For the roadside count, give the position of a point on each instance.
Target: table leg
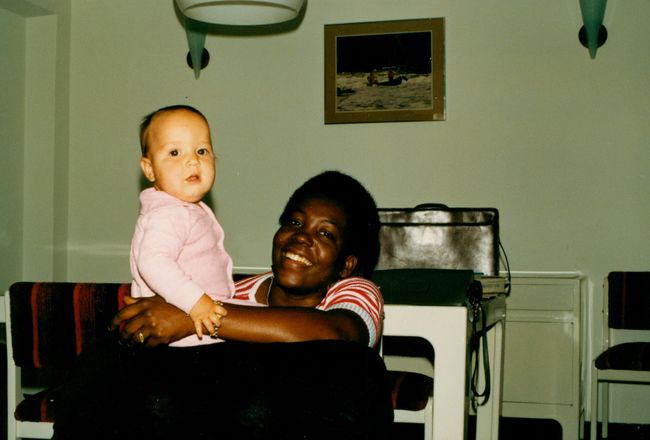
(487, 416)
(449, 340)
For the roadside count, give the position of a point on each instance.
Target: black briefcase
(439, 237)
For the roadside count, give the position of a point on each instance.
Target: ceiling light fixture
(198, 13)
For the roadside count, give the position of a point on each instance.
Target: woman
(328, 383)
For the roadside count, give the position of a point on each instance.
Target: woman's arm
(283, 324)
(162, 323)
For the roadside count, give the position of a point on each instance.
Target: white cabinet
(542, 352)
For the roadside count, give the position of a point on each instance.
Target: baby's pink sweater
(177, 252)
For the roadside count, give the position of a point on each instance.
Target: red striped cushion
(51, 323)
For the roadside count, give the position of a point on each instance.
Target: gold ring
(141, 337)
(216, 302)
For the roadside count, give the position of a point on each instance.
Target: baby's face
(179, 158)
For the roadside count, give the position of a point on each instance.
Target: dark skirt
(307, 390)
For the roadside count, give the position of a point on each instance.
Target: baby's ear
(147, 169)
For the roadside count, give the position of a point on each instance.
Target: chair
(410, 365)
(411, 381)
(626, 310)
(48, 324)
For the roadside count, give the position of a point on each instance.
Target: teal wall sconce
(592, 34)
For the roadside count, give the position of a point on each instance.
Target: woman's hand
(152, 321)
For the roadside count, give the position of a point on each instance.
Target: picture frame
(385, 71)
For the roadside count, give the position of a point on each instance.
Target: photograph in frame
(385, 71)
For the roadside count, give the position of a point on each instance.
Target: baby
(177, 248)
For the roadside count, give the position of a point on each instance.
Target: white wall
(12, 122)
(40, 146)
(35, 139)
(557, 141)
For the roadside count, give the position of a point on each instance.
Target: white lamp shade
(240, 12)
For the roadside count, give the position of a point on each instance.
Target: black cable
(507, 267)
(482, 335)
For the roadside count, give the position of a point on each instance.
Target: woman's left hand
(152, 321)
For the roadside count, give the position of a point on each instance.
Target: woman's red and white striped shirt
(355, 294)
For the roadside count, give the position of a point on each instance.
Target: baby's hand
(207, 314)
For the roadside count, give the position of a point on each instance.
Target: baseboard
(511, 428)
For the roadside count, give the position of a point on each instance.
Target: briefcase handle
(431, 206)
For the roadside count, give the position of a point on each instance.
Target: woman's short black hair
(362, 235)
(146, 122)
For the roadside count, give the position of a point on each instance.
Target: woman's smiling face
(307, 249)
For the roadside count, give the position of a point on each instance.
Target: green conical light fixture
(196, 32)
(593, 13)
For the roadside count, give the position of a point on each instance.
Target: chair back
(626, 304)
(51, 323)
(628, 300)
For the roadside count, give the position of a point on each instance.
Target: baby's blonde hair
(146, 122)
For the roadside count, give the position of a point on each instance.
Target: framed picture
(385, 71)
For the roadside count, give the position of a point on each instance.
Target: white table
(448, 329)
